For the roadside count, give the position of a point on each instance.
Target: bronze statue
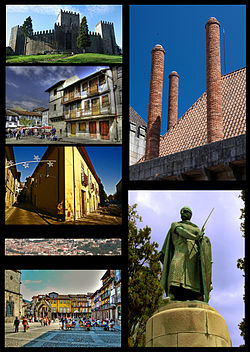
(186, 258)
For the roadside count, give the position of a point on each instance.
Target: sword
(203, 228)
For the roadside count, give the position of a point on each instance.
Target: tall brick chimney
(155, 103)
(214, 91)
(173, 99)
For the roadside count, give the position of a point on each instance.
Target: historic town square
(70, 317)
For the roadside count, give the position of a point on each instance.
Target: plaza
(54, 336)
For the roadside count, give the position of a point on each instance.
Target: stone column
(155, 103)
(173, 99)
(214, 90)
(187, 324)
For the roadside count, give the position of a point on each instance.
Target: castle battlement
(63, 37)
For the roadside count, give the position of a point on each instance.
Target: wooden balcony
(68, 98)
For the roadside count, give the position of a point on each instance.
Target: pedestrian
(25, 324)
(49, 321)
(60, 212)
(16, 323)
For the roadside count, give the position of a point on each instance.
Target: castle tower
(17, 41)
(107, 33)
(66, 30)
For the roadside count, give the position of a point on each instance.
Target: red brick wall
(214, 93)
(155, 103)
(173, 99)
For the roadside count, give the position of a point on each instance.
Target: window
(84, 86)
(47, 174)
(102, 80)
(82, 126)
(105, 100)
(87, 105)
(55, 92)
(10, 309)
(54, 107)
(119, 72)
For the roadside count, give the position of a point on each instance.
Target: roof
(190, 131)
(25, 113)
(136, 118)
(55, 85)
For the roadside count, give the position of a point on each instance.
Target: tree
(144, 288)
(25, 122)
(83, 39)
(241, 262)
(26, 28)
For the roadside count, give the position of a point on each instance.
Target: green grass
(63, 58)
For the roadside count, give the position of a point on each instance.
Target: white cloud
(32, 281)
(99, 9)
(154, 200)
(12, 84)
(41, 9)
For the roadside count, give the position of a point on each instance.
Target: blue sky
(44, 16)
(107, 162)
(26, 85)
(160, 208)
(61, 281)
(181, 31)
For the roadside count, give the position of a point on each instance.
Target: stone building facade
(63, 37)
(88, 108)
(13, 297)
(12, 178)
(137, 136)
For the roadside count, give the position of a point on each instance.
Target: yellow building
(12, 178)
(64, 175)
(55, 306)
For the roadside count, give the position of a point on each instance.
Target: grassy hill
(65, 59)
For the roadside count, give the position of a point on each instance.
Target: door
(73, 129)
(96, 106)
(104, 129)
(83, 203)
(92, 129)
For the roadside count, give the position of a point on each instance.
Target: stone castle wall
(64, 37)
(12, 295)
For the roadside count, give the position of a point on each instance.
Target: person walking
(25, 324)
(60, 212)
(16, 323)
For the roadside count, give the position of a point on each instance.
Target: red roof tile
(190, 131)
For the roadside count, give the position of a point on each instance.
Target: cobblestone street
(24, 214)
(53, 336)
(68, 140)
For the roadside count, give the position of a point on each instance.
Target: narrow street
(53, 336)
(24, 214)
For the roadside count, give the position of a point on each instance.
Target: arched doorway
(42, 309)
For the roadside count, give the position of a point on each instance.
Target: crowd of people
(42, 134)
(68, 323)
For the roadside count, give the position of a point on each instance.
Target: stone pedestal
(187, 324)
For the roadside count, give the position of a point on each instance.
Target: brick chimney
(173, 99)
(155, 103)
(214, 91)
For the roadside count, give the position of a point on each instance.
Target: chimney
(173, 99)
(214, 91)
(155, 103)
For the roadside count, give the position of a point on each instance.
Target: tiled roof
(190, 131)
(26, 113)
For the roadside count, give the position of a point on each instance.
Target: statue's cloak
(169, 249)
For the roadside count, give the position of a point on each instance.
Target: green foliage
(89, 58)
(26, 28)
(83, 40)
(25, 122)
(241, 262)
(144, 270)
(102, 193)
